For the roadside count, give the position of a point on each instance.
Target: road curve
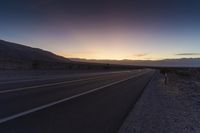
(94, 104)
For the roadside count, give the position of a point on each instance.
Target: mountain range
(13, 55)
(17, 52)
(183, 62)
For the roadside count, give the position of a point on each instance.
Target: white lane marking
(91, 74)
(64, 100)
(45, 85)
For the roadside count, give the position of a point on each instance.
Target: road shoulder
(168, 108)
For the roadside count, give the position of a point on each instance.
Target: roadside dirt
(171, 108)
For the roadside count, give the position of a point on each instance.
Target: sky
(105, 29)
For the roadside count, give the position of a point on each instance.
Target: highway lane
(17, 75)
(18, 101)
(41, 76)
(13, 102)
(119, 90)
(15, 84)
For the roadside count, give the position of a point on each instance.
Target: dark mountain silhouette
(17, 56)
(17, 52)
(183, 62)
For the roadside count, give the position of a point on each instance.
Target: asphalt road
(93, 103)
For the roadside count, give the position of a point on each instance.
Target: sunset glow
(114, 33)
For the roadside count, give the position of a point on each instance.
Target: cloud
(141, 55)
(187, 54)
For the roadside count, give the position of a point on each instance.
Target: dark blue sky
(77, 28)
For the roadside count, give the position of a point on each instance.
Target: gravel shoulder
(171, 108)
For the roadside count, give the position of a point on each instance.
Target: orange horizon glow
(120, 44)
(112, 43)
(91, 30)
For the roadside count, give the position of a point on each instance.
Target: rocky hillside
(18, 52)
(15, 56)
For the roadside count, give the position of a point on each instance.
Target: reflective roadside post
(164, 72)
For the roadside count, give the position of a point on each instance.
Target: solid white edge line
(44, 85)
(63, 100)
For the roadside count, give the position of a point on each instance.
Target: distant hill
(18, 52)
(183, 62)
(17, 56)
